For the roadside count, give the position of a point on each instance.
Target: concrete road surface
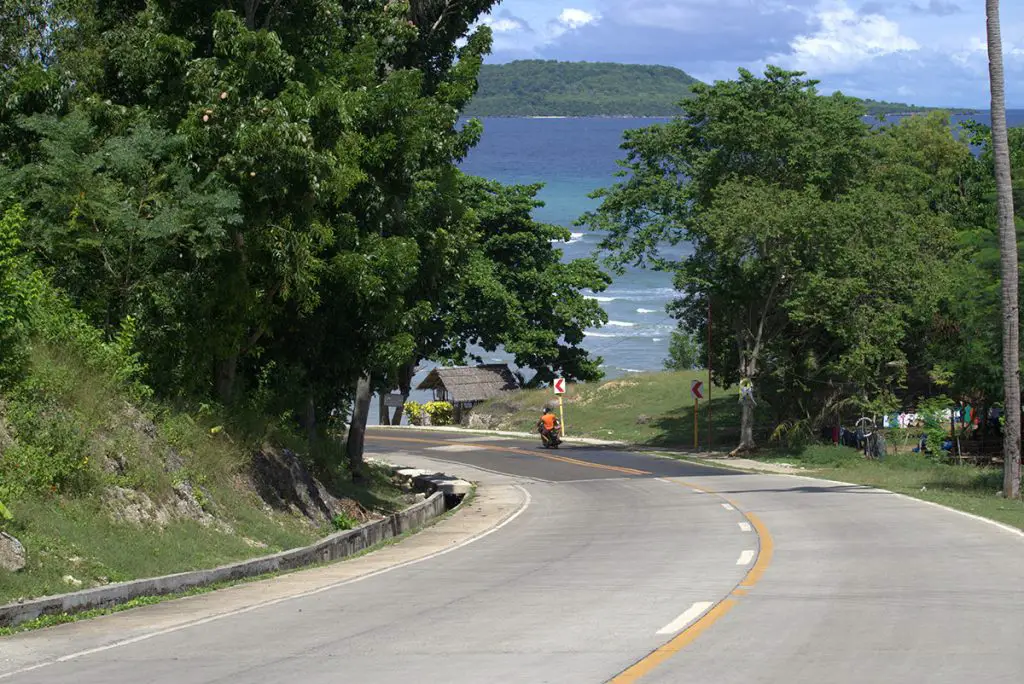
(591, 565)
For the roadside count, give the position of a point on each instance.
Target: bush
(5, 516)
(431, 413)
(415, 412)
(344, 521)
(16, 294)
(440, 412)
(685, 352)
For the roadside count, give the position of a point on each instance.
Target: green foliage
(16, 294)
(5, 515)
(825, 248)
(440, 412)
(343, 521)
(414, 411)
(436, 412)
(516, 292)
(685, 352)
(550, 88)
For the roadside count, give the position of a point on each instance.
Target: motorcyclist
(548, 424)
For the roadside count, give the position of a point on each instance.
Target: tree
(685, 352)
(739, 147)
(823, 245)
(1008, 258)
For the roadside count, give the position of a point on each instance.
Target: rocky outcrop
(284, 483)
(130, 506)
(12, 553)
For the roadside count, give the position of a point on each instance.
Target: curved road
(594, 565)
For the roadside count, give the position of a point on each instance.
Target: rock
(139, 422)
(643, 420)
(72, 582)
(173, 461)
(115, 465)
(481, 421)
(283, 481)
(253, 543)
(127, 506)
(12, 553)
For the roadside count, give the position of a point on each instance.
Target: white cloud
(568, 21)
(845, 40)
(504, 25)
(575, 18)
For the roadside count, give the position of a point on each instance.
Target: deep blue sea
(574, 157)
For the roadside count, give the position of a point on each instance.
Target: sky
(922, 52)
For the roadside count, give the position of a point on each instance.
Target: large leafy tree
(810, 239)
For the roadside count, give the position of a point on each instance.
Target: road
(601, 566)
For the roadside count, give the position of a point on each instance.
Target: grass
(67, 415)
(650, 409)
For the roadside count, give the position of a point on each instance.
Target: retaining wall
(334, 547)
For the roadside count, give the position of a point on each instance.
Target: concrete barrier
(334, 547)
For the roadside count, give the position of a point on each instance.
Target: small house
(466, 386)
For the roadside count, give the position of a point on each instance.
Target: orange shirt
(549, 421)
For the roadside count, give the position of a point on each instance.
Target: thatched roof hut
(468, 385)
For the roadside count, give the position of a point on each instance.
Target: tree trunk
(357, 428)
(405, 374)
(746, 427)
(383, 412)
(309, 419)
(1008, 257)
(226, 370)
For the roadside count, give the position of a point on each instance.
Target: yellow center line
(513, 450)
(765, 551)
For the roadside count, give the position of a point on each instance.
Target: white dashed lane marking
(684, 620)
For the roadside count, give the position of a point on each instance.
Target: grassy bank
(655, 411)
(651, 409)
(107, 484)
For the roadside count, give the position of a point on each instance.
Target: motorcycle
(550, 438)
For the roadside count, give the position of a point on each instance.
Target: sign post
(559, 386)
(696, 392)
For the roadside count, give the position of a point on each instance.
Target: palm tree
(1008, 257)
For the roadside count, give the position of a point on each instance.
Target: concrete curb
(496, 433)
(335, 547)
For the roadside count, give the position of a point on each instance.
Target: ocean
(574, 157)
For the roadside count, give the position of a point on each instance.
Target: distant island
(581, 89)
(547, 88)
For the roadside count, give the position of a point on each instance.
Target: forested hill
(550, 88)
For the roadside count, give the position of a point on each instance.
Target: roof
(471, 383)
